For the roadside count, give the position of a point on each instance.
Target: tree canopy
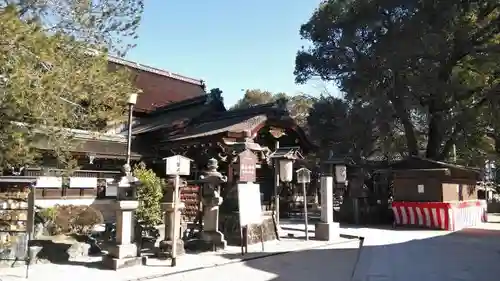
(50, 82)
(432, 66)
(298, 105)
(110, 24)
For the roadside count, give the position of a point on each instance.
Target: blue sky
(231, 44)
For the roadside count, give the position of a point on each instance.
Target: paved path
(388, 255)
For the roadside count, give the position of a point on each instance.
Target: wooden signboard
(247, 167)
(177, 165)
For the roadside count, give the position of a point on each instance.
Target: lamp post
(304, 177)
(283, 159)
(132, 100)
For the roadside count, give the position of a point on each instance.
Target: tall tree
(50, 83)
(352, 130)
(434, 63)
(254, 97)
(105, 23)
(298, 105)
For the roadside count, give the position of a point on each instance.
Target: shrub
(150, 194)
(48, 214)
(86, 219)
(72, 219)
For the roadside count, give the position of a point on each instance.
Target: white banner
(82, 182)
(49, 182)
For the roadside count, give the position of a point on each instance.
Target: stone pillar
(124, 252)
(326, 230)
(172, 232)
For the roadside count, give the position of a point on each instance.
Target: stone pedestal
(211, 234)
(326, 230)
(124, 253)
(172, 232)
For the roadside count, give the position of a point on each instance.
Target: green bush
(150, 194)
(48, 214)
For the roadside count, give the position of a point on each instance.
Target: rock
(165, 248)
(39, 230)
(33, 253)
(78, 249)
(98, 229)
(94, 249)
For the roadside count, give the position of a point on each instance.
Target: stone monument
(211, 201)
(124, 252)
(172, 232)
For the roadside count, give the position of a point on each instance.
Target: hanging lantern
(286, 170)
(340, 173)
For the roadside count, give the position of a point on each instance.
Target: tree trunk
(404, 117)
(435, 137)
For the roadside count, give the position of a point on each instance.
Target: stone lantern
(211, 200)
(124, 252)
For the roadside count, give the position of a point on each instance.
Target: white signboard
(49, 182)
(83, 182)
(177, 165)
(111, 188)
(421, 188)
(250, 207)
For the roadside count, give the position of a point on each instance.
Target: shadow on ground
(57, 253)
(468, 255)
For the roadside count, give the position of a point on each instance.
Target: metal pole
(174, 223)
(129, 133)
(306, 223)
(277, 188)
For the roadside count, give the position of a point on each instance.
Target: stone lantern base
(214, 239)
(124, 253)
(111, 261)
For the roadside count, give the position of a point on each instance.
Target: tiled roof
(160, 87)
(178, 114)
(206, 116)
(239, 120)
(415, 163)
(179, 117)
(100, 148)
(235, 124)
